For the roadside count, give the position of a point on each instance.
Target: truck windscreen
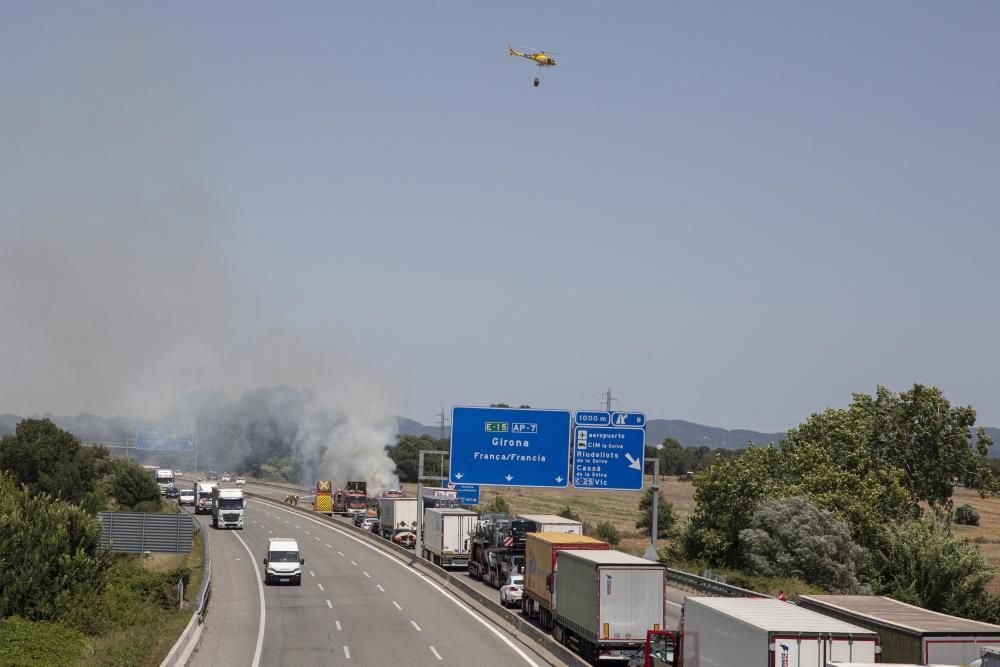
(230, 504)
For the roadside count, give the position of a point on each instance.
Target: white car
(227, 478)
(178, 473)
(187, 497)
(510, 592)
(240, 481)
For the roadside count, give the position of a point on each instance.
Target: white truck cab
(283, 563)
(227, 508)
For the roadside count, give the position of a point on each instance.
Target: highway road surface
(356, 605)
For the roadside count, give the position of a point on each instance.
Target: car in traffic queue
(512, 590)
(172, 492)
(284, 562)
(405, 538)
(186, 497)
(240, 481)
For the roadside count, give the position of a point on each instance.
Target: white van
(283, 563)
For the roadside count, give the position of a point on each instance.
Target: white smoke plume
(119, 291)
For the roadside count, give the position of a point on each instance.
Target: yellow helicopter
(540, 58)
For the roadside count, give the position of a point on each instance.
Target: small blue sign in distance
(510, 447)
(159, 438)
(467, 494)
(631, 419)
(592, 418)
(607, 457)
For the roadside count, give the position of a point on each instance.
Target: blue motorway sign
(161, 439)
(633, 419)
(468, 494)
(510, 447)
(610, 457)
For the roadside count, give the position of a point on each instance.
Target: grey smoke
(119, 293)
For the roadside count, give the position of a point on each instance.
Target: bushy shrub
(791, 537)
(607, 532)
(132, 484)
(496, 505)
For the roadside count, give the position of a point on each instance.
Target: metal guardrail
(201, 599)
(185, 644)
(692, 582)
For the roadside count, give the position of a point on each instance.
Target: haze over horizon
(732, 215)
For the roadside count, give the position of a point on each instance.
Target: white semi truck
(396, 514)
(446, 535)
(164, 479)
(765, 631)
(227, 508)
(608, 600)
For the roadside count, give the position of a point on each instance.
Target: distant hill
(120, 429)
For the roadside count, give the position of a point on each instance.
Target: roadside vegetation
(64, 600)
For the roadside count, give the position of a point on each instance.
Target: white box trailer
(551, 523)
(607, 602)
(203, 497)
(446, 535)
(764, 631)
(396, 514)
(908, 633)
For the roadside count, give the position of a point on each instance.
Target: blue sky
(732, 213)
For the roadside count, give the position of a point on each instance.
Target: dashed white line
(397, 605)
(380, 587)
(340, 553)
(311, 573)
(436, 654)
(329, 604)
(260, 594)
(414, 624)
(271, 532)
(288, 522)
(366, 574)
(353, 563)
(427, 580)
(347, 653)
(338, 624)
(298, 526)
(320, 587)
(308, 533)
(328, 546)
(317, 538)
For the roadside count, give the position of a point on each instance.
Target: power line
(608, 399)
(442, 421)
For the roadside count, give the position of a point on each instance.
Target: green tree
(666, 519)
(496, 505)
(50, 460)
(406, 454)
(571, 514)
(923, 564)
(51, 560)
(132, 484)
(791, 537)
(726, 495)
(607, 532)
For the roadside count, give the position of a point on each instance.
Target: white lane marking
(414, 624)
(311, 573)
(308, 533)
(237, 559)
(317, 538)
(354, 564)
(338, 624)
(674, 603)
(340, 553)
(427, 580)
(298, 526)
(366, 574)
(320, 587)
(260, 594)
(329, 604)
(397, 605)
(380, 587)
(436, 654)
(328, 546)
(347, 653)
(271, 532)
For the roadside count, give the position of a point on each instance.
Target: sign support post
(654, 527)
(421, 478)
